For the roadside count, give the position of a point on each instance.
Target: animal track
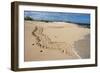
(43, 41)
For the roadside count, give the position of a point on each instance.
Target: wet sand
(82, 47)
(55, 41)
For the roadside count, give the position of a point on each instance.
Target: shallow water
(82, 47)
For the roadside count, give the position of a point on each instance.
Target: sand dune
(54, 41)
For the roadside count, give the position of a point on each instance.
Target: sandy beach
(55, 41)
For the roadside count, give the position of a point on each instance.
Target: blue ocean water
(59, 16)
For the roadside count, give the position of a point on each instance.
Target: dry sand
(55, 41)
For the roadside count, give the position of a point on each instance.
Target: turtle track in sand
(43, 41)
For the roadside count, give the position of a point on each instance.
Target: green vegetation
(28, 18)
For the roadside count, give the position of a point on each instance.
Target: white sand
(55, 39)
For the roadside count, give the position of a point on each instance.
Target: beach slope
(55, 41)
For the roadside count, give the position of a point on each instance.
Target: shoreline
(82, 46)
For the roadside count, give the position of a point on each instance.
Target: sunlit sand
(55, 41)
